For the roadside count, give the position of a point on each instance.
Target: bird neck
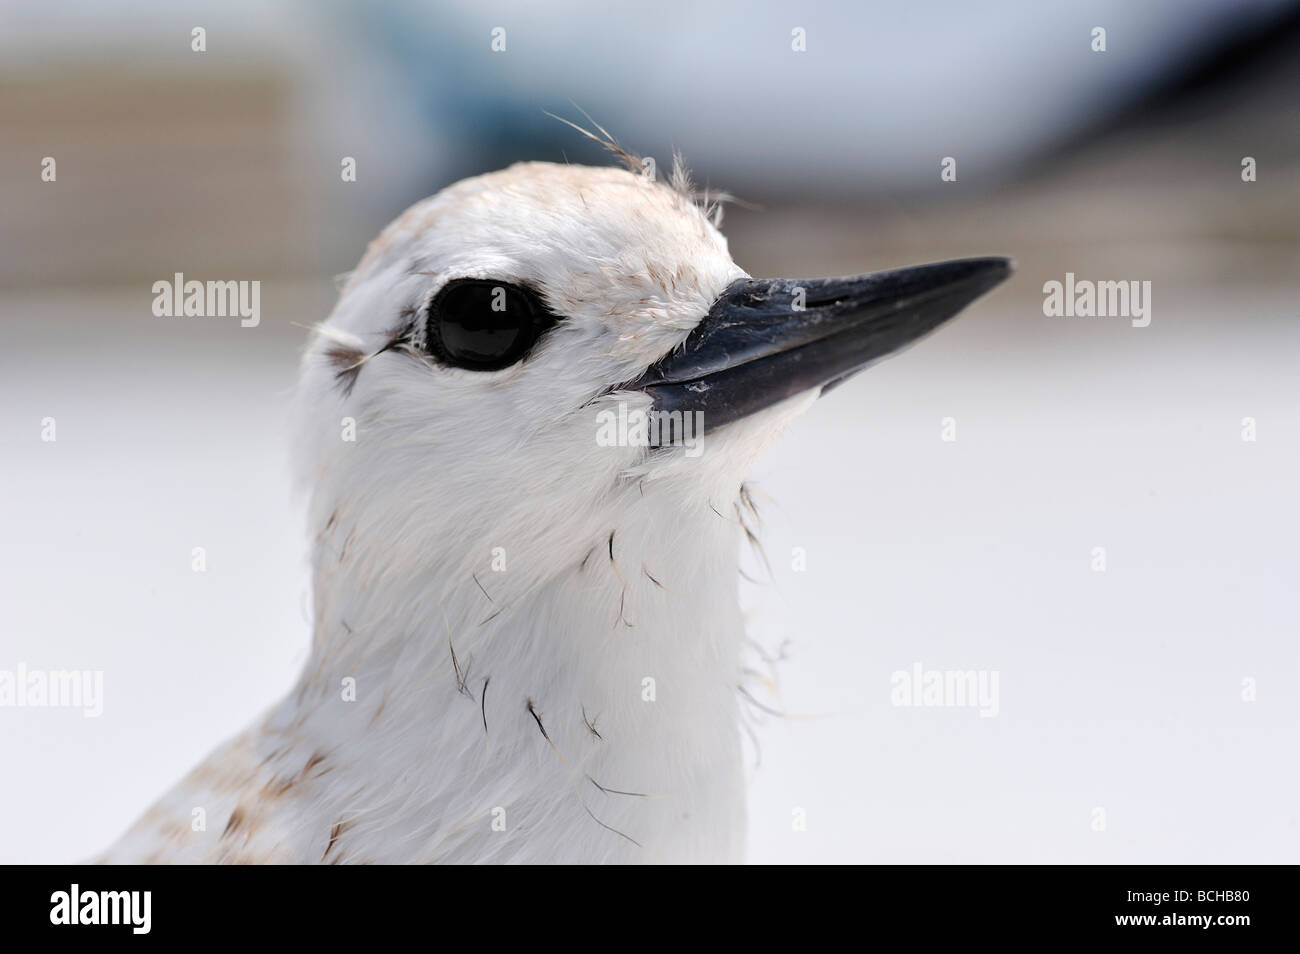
(590, 699)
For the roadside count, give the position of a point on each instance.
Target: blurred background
(1120, 690)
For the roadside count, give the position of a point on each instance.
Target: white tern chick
(527, 644)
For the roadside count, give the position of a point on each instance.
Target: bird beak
(768, 339)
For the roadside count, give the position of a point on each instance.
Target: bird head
(520, 356)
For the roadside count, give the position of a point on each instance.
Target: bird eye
(484, 325)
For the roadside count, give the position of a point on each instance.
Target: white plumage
(620, 565)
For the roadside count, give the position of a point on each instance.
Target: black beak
(768, 339)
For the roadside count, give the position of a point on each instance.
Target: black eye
(484, 325)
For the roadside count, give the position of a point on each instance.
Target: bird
(527, 645)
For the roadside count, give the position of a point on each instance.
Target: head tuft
(710, 203)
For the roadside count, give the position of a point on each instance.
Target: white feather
(450, 464)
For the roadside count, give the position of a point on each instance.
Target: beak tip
(990, 272)
(1000, 265)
